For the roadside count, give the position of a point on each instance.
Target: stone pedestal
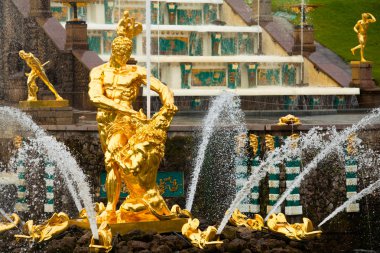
(49, 112)
(308, 40)
(76, 35)
(362, 75)
(262, 13)
(40, 8)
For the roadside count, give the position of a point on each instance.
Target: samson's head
(121, 50)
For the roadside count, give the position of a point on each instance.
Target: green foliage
(333, 23)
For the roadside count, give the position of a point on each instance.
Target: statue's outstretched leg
(50, 86)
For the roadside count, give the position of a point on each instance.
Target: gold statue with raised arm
(361, 28)
(133, 145)
(37, 71)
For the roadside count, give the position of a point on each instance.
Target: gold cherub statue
(57, 224)
(133, 145)
(361, 28)
(37, 71)
(198, 238)
(297, 231)
(238, 219)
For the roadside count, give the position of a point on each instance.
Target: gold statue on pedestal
(361, 28)
(37, 71)
(133, 145)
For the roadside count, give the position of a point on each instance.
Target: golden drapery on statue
(133, 145)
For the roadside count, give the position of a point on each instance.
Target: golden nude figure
(132, 144)
(361, 28)
(37, 71)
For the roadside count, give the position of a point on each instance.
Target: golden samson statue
(361, 28)
(133, 145)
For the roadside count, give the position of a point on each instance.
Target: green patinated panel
(245, 43)
(339, 102)
(228, 46)
(171, 184)
(252, 69)
(108, 11)
(195, 44)
(174, 46)
(314, 101)
(233, 75)
(269, 76)
(288, 74)
(208, 77)
(185, 74)
(94, 43)
(290, 101)
(189, 17)
(210, 13)
(157, 13)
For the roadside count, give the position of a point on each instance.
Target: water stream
(57, 153)
(224, 110)
(352, 199)
(337, 141)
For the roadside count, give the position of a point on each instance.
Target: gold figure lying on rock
(37, 71)
(238, 219)
(6, 225)
(198, 238)
(288, 120)
(133, 145)
(297, 231)
(56, 225)
(361, 28)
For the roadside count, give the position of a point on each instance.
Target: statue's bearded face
(121, 50)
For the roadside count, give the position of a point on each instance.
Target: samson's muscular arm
(96, 93)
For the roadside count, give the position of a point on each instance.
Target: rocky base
(235, 240)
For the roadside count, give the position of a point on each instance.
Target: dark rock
(269, 243)
(66, 244)
(133, 235)
(246, 251)
(85, 239)
(81, 250)
(236, 245)
(229, 232)
(145, 251)
(298, 245)
(245, 234)
(162, 249)
(138, 245)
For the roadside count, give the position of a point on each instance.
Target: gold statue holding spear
(37, 71)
